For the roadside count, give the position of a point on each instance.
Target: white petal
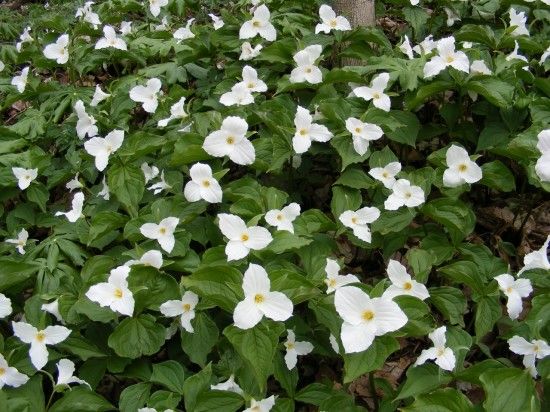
(259, 238)
(24, 331)
(56, 334)
(231, 226)
(235, 250)
(356, 338)
(350, 303)
(447, 360)
(39, 355)
(255, 281)
(276, 306)
(247, 314)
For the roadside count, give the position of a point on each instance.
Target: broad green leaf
(170, 374)
(126, 183)
(135, 337)
(284, 241)
(357, 364)
(498, 385)
(441, 400)
(81, 399)
(194, 385)
(197, 345)
(496, 91)
(488, 311)
(423, 378)
(134, 397)
(497, 176)
(451, 302)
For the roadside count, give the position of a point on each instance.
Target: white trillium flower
(307, 131)
(514, 289)
(20, 82)
(10, 376)
(358, 221)
(478, 67)
(362, 133)
(38, 340)
(335, 281)
(248, 52)
(202, 185)
(460, 169)
(242, 239)
(184, 308)
(110, 39)
(263, 405)
(150, 258)
(24, 176)
(544, 56)
(177, 111)
(406, 47)
(20, 242)
(184, 33)
(386, 174)
(404, 194)
(519, 20)
(231, 141)
(447, 57)
(542, 167)
(160, 186)
(114, 293)
(306, 70)
(329, 21)
(259, 300)
(376, 92)
(452, 17)
(259, 25)
(53, 309)
(88, 15)
(76, 208)
(537, 259)
(229, 385)
(365, 318)
(239, 95)
(125, 27)
(282, 219)
(163, 25)
(516, 56)
(163, 232)
(65, 374)
(147, 95)
(415, 2)
(85, 124)
(102, 147)
(149, 172)
(58, 51)
(74, 183)
(2, 65)
(426, 46)
(155, 5)
(467, 44)
(104, 192)
(25, 37)
(443, 356)
(402, 283)
(217, 22)
(5, 306)
(531, 351)
(293, 349)
(251, 80)
(334, 343)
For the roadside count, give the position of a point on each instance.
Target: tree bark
(359, 13)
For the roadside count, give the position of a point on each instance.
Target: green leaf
(218, 401)
(154, 287)
(496, 91)
(135, 337)
(423, 378)
(314, 393)
(409, 129)
(441, 400)
(497, 176)
(357, 364)
(295, 285)
(194, 385)
(344, 147)
(509, 389)
(393, 221)
(13, 273)
(284, 241)
(104, 222)
(134, 397)
(170, 374)
(81, 347)
(450, 302)
(427, 91)
(126, 183)
(81, 399)
(356, 178)
(343, 199)
(488, 311)
(197, 345)
(287, 378)
(451, 213)
(257, 347)
(28, 397)
(37, 193)
(465, 272)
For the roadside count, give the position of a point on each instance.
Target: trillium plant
(274, 205)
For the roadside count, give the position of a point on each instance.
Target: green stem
(372, 390)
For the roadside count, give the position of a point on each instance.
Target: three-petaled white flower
(329, 21)
(516, 56)
(10, 376)
(74, 183)
(386, 174)
(335, 281)
(58, 51)
(443, 356)
(5, 306)
(155, 5)
(202, 185)
(160, 185)
(404, 194)
(38, 339)
(248, 52)
(425, 46)
(24, 176)
(519, 20)
(460, 169)
(184, 308)
(282, 219)
(402, 283)
(531, 351)
(20, 81)
(230, 140)
(217, 22)
(406, 47)
(88, 15)
(259, 300)
(184, 33)
(251, 81)
(537, 259)
(24, 37)
(114, 293)
(307, 131)
(163, 232)
(447, 56)
(102, 147)
(177, 111)
(544, 56)
(514, 289)
(76, 208)
(376, 92)
(239, 95)
(85, 125)
(365, 318)
(149, 172)
(259, 24)
(542, 167)
(229, 385)
(65, 374)
(263, 405)
(478, 67)
(242, 239)
(306, 70)
(110, 39)
(358, 221)
(104, 192)
(20, 242)
(125, 27)
(53, 309)
(362, 133)
(150, 258)
(293, 349)
(147, 95)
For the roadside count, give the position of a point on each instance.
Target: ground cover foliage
(221, 214)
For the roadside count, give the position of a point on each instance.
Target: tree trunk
(359, 13)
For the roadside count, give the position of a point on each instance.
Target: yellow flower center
(331, 282)
(462, 167)
(385, 175)
(27, 177)
(40, 336)
(280, 217)
(118, 293)
(302, 132)
(354, 220)
(206, 183)
(376, 96)
(408, 195)
(450, 59)
(290, 345)
(308, 70)
(440, 351)
(333, 23)
(509, 290)
(358, 130)
(162, 230)
(244, 237)
(256, 23)
(186, 307)
(109, 148)
(230, 140)
(367, 315)
(251, 85)
(407, 286)
(536, 348)
(259, 298)
(2, 371)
